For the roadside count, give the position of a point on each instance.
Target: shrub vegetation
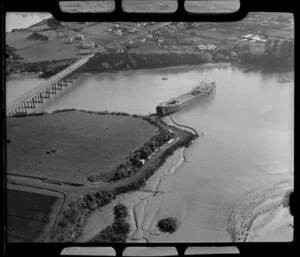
(168, 225)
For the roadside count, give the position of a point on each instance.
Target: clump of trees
(38, 37)
(276, 53)
(53, 23)
(70, 224)
(11, 53)
(12, 60)
(280, 52)
(54, 68)
(168, 225)
(134, 161)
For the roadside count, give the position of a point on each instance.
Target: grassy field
(49, 50)
(19, 40)
(73, 145)
(28, 215)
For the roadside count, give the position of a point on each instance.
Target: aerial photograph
(149, 132)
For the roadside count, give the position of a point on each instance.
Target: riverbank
(218, 185)
(69, 224)
(113, 62)
(263, 216)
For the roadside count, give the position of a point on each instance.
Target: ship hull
(188, 99)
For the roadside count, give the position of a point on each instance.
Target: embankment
(183, 126)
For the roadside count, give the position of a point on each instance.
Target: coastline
(135, 61)
(262, 213)
(245, 218)
(69, 228)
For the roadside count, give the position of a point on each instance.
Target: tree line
(276, 53)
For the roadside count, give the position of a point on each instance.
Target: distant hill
(50, 23)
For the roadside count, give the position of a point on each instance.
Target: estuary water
(245, 146)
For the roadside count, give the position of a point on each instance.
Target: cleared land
(19, 40)
(30, 213)
(70, 146)
(49, 50)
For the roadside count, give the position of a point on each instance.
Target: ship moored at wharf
(200, 91)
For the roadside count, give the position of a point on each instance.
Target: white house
(202, 47)
(211, 47)
(118, 32)
(248, 36)
(160, 41)
(88, 45)
(78, 38)
(257, 38)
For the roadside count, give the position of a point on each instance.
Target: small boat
(164, 78)
(284, 80)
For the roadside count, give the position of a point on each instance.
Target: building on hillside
(253, 38)
(69, 40)
(120, 49)
(118, 32)
(78, 38)
(211, 47)
(132, 30)
(247, 36)
(87, 45)
(233, 55)
(259, 39)
(160, 42)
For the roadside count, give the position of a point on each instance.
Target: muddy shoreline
(70, 222)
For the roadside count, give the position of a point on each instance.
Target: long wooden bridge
(28, 102)
(38, 95)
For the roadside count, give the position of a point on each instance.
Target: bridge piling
(30, 100)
